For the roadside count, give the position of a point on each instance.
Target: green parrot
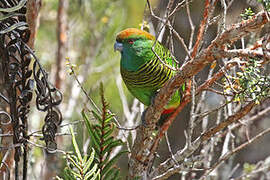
(141, 70)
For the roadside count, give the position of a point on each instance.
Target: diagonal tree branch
(141, 153)
(229, 154)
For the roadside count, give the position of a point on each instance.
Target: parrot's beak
(118, 46)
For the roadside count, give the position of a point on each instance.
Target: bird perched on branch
(145, 66)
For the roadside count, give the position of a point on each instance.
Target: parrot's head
(134, 45)
(128, 37)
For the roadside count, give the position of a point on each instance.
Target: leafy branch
(251, 83)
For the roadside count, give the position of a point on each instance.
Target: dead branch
(229, 154)
(144, 144)
(166, 168)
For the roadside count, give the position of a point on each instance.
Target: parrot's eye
(131, 41)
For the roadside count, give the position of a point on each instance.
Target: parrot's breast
(151, 75)
(144, 83)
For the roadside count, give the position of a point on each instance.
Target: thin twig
(229, 154)
(241, 113)
(169, 147)
(192, 27)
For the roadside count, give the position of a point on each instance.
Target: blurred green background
(92, 26)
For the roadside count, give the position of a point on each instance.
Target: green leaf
(117, 174)
(75, 145)
(104, 161)
(109, 118)
(91, 172)
(96, 135)
(71, 160)
(112, 162)
(108, 133)
(107, 141)
(67, 174)
(89, 162)
(112, 145)
(74, 158)
(98, 131)
(84, 115)
(109, 126)
(112, 174)
(97, 116)
(75, 174)
(98, 127)
(90, 132)
(84, 159)
(96, 176)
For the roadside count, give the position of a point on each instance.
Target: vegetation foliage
(80, 166)
(252, 83)
(104, 141)
(101, 163)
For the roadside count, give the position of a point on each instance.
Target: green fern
(103, 141)
(248, 14)
(78, 166)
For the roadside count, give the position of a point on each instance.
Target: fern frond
(103, 140)
(78, 166)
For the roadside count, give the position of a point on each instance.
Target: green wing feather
(151, 76)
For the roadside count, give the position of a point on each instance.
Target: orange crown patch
(133, 31)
